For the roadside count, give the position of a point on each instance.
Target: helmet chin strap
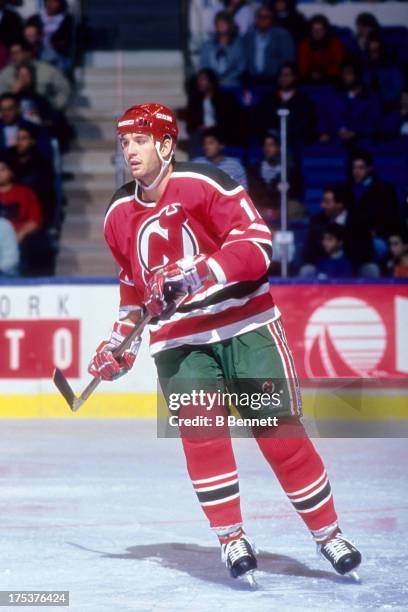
(164, 165)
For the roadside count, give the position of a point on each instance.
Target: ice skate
(342, 554)
(238, 553)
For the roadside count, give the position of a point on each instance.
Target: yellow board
(365, 407)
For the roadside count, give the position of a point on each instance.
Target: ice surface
(105, 510)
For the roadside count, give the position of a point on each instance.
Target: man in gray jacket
(51, 83)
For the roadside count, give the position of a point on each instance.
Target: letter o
(62, 348)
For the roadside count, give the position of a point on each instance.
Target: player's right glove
(104, 365)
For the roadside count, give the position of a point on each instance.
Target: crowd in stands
(36, 79)
(347, 96)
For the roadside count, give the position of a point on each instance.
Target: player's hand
(184, 277)
(104, 365)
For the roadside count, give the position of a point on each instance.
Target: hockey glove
(107, 367)
(184, 277)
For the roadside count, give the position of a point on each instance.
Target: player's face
(141, 155)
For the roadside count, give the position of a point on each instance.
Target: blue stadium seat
(312, 199)
(396, 40)
(321, 165)
(235, 151)
(347, 38)
(327, 102)
(254, 154)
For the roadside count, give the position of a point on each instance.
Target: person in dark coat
(301, 120)
(289, 18)
(375, 201)
(11, 25)
(34, 170)
(209, 106)
(336, 207)
(355, 112)
(11, 120)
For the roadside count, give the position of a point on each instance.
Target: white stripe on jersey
(116, 204)
(221, 333)
(211, 309)
(207, 179)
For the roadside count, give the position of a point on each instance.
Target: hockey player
(190, 228)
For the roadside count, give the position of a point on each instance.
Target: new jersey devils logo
(165, 237)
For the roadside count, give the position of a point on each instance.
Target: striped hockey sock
(213, 472)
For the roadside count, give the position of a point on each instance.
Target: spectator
(224, 53)
(336, 208)
(264, 177)
(201, 25)
(11, 25)
(264, 181)
(366, 27)
(289, 18)
(11, 120)
(334, 263)
(301, 120)
(51, 83)
(36, 108)
(396, 123)
(382, 75)
(3, 56)
(321, 54)
(242, 14)
(375, 201)
(9, 255)
(33, 35)
(355, 112)
(33, 170)
(267, 48)
(20, 206)
(213, 148)
(57, 25)
(209, 106)
(398, 263)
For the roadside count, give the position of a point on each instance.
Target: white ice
(105, 510)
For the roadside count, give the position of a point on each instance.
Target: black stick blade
(64, 388)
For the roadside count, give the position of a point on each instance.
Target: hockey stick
(63, 385)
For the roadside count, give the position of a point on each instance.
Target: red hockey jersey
(202, 210)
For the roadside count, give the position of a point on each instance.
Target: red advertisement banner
(32, 349)
(346, 330)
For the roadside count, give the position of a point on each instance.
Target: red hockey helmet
(151, 118)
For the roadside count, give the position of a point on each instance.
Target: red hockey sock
(302, 475)
(213, 472)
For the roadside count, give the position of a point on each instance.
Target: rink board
(348, 330)
(382, 406)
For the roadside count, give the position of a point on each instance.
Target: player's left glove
(184, 277)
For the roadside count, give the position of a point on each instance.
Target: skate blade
(354, 577)
(250, 579)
